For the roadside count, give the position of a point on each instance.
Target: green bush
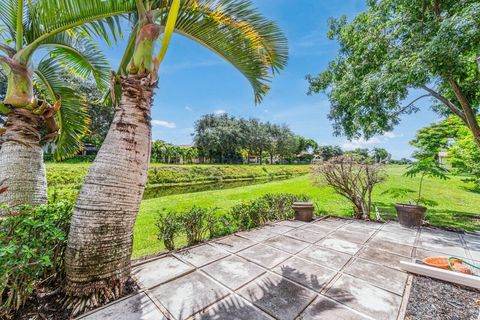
(223, 225)
(196, 223)
(168, 224)
(32, 245)
(74, 159)
(268, 208)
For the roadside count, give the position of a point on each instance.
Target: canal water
(165, 190)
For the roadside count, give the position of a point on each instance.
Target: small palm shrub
(168, 224)
(32, 246)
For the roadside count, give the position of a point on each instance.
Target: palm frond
(8, 16)
(95, 18)
(237, 32)
(81, 57)
(72, 118)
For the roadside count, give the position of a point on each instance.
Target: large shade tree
(399, 45)
(39, 38)
(100, 239)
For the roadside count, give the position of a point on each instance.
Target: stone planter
(410, 215)
(303, 211)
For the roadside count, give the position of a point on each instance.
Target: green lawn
(456, 205)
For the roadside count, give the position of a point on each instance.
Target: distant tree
(255, 137)
(398, 45)
(328, 152)
(380, 155)
(360, 153)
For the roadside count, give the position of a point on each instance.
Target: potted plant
(413, 214)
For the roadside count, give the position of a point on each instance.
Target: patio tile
(309, 274)
(330, 223)
(326, 309)
(287, 244)
(360, 224)
(189, 294)
(423, 253)
(439, 235)
(396, 227)
(397, 237)
(357, 228)
(201, 255)
(380, 276)
(384, 258)
(349, 235)
(471, 238)
(233, 307)
(161, 270)
(444, 246)
(340, 245)
(390, 246)
(278, 228)
(365, 298)
(325, 257)
(138, 307)
(322, 230)
(263, 255)
(233, 272)
(305, 235)
(257, 235)
(277, 296)
(292, 223)
(233, 243)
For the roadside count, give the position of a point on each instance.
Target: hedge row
(72, 177)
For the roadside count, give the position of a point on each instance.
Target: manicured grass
(456, 205)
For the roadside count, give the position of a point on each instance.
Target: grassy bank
(72, 175)
(456, 204)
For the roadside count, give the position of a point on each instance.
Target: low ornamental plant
(32, 246)
(353, 179)
(195, 224)
(425, 167)
(169, 225)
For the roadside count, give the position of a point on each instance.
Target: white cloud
(360, 143)
(393, 135)
(220, 111)
(188, 108)
(163, 123)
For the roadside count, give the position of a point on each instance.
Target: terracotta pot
(410, 215)
(303, 211)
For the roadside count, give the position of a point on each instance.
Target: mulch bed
(44, 304)
(435, 299)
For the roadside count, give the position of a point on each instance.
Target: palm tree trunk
(101, 234)
(21, 160)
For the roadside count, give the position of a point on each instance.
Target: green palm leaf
(233, 30)
(82, 57)
(72, 118)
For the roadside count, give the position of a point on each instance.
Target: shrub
(32, 245)
(267, 208)
(168, 224)
(219, 226)
(196, 224)
(352, 179)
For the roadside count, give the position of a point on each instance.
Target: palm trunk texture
(101, 234)
(21, 160)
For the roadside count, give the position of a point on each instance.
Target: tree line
(227, 139)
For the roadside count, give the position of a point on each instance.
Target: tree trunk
(100, 241)
(21, 160)
(470, 117)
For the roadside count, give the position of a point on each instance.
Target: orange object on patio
(441, 262)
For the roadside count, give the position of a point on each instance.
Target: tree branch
(446, 102)
(9, 51)
(410, 104)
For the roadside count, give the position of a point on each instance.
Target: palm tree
(100, 240)
(36, 99)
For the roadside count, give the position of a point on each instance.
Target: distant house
(443, 158)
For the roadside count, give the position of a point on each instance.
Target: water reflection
(163, 191)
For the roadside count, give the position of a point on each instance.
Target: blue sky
(194, 81)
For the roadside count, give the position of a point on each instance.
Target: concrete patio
(327, 269)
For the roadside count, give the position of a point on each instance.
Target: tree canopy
(396, 46)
